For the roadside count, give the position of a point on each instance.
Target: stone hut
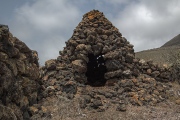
(97, 52)
(98, 55)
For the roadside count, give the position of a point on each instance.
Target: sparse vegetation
(163, 55)
(175, 67)
(64, 109)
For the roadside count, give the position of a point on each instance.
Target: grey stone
(121, 107)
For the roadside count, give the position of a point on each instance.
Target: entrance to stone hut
(95, 70)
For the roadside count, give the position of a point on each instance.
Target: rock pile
(160, 73)
(19, 74)
(143, 90)
(97, 46)
(95, 36)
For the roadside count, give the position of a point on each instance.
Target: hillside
(162, 55)
(166, 54)
(173, 42)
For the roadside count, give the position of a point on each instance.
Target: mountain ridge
(174, 41)
(166, 54)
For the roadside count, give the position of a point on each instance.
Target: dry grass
(164, 111)
(62, 108)
(164, 55)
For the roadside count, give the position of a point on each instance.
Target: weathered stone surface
(127, 80)
(113, 65)
(19, 75)
(50, 64)
(33, 110)
(7, 113)
(116, 73)
(178, 102)
(95, 43)
(79, 66)
(121, 107)
(96, 103)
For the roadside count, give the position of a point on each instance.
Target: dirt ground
(61, 108)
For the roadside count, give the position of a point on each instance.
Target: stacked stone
(96, 35)
(19, 72)
(159, 73)
(143, 90)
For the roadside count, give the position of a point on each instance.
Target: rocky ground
(61, 108)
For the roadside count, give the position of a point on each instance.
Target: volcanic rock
(19, 74)
(98, 56)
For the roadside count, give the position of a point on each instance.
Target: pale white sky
(45, 25)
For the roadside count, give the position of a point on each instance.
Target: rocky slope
(19, 74)
(173, 42)
(162, 55)
(166, 54)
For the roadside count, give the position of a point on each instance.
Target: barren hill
(163, 55)
(173, 42)
(166, 54)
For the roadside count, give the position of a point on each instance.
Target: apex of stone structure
(94, 15)
(95, 23)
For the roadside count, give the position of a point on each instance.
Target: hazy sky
(45, 25)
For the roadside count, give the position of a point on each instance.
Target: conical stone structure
(98, 55)
(95, 37)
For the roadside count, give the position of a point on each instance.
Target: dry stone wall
(94, 35)
(133, 80)
(19, 74)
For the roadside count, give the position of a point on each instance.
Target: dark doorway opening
(95, 70)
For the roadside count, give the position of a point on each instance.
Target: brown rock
(50, 64)
(121, 107)
(3, 56)
(149, 71)
(7, 113)
(116, 73)
(19, 74)
(44, 109)
(129, 58)
(177, 101)
(79, 66)
(33, 110)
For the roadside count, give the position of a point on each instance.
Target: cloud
(45, 25)
(149, 24)
(51, 14)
